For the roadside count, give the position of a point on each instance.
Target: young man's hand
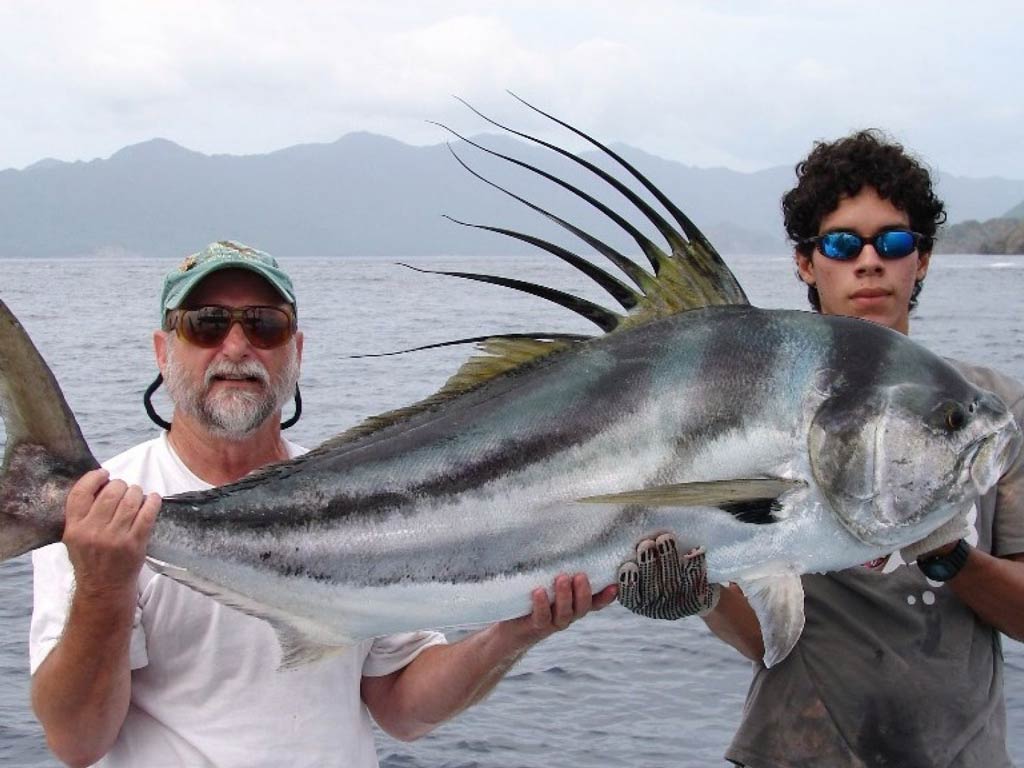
(942, 538)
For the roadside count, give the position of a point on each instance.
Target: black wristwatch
(945, 567)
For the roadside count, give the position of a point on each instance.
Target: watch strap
(945, 567)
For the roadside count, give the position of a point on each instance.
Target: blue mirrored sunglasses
(890, 244)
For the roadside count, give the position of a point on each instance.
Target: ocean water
(613, 689)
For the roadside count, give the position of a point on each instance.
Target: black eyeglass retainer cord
(147, 400)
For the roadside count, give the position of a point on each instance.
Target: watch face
(945, 567)
(939, 570)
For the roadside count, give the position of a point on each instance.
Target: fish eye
(956, 417)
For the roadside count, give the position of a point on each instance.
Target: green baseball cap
(224, 254)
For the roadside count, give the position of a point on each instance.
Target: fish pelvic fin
(295, 636)
(44, 452)
(750, 500)
(778, 602)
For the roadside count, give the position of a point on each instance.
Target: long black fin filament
(690, 276)
(603, 318)
(640, 277)
(706, 275)
(515, 337)
(653, 253)
(622, 293)
(666, 230)
(709, 262)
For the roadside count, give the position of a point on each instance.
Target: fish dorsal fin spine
(689, 275)
(496, 356)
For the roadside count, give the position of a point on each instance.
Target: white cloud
(742, 84)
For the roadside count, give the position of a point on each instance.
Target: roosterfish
(782, 442)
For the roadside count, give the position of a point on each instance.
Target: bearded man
(131, 668)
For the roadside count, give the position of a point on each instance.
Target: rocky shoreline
(996, 236)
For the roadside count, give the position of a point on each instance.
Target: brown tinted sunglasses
(264, 327)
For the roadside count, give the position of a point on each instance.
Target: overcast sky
(745, 85)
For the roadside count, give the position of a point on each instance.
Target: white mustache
(243, 370)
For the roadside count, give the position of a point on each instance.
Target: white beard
(231, 413)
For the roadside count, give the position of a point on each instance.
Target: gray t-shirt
(891, 669)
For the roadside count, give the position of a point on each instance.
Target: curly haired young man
(902, 668)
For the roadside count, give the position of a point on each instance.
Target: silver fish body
(455, 515)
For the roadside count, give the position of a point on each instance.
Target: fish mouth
(985, 459)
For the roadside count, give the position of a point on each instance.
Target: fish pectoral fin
(778, 602)
(294, 634)
(750, 500)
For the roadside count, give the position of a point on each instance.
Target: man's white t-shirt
(206, 688)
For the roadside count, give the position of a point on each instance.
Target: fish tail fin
(44, 451)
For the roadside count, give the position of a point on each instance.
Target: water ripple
(610, 690)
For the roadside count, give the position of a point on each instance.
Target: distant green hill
(367, 195)
(997, 236)
(363, 195)
(1017, 212)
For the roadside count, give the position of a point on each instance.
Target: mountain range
(367, 195)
